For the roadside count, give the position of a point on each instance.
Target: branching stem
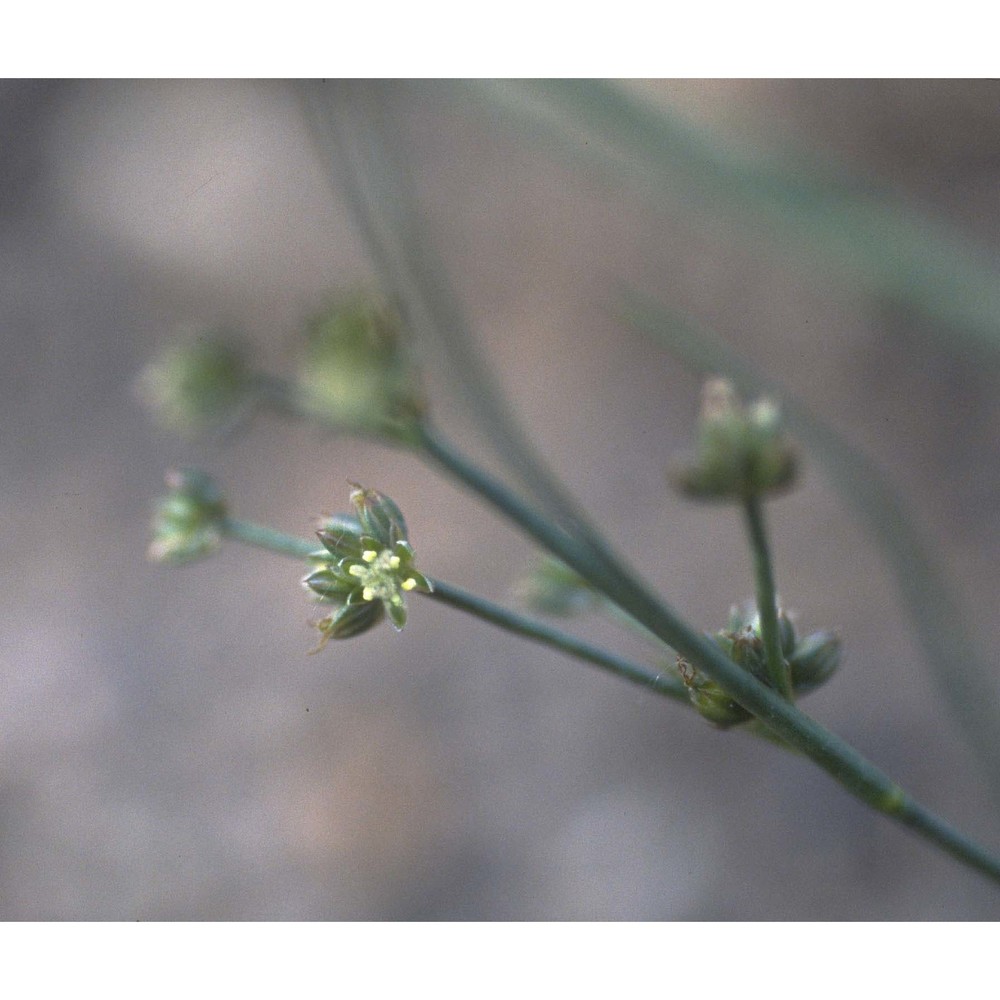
(601, 568)
(455, 597)
(603, 571)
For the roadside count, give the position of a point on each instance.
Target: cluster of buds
(199, 385)
(811, 662)
(355, 372)
(366, 568)
(187, 523)
(742, 450)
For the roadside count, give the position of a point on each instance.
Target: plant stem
(603, 571)
(512, 621)
(767, 605)
(266, 538)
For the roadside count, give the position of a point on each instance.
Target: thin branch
(767, 605)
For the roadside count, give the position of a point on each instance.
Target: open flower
(366, 569)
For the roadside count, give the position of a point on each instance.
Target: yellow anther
(368, 593)
(357, 571)
(409, 583)
(369, 555)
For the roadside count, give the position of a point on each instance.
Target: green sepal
(329, 583)
(786, 633)
(814, 661)
(351, 620)
(397, 613)
(379, 516)
(422, 583)
(342, 535)
(404, 550)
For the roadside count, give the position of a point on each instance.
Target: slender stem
(837, 758)
(512, 621)
(266, 538)
(767, 604)
(446, 593)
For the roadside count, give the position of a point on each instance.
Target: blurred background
(167, 749)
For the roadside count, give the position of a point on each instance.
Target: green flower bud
(187, 523)
(709, 699)
(742, 451)
(368, 569)
(356, 372)
(198, 386)
(814, 661)
(555, 589)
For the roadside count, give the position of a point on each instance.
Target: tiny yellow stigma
(409, 583)
(369, 555)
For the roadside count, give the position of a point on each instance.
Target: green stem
(512, 621)
(767, 604)
(266, 538)
(861, 778)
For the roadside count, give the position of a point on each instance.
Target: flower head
(199, 385)
(742, 450)
(356, 371)
(187, 524)
(366, 567)
(812, 661)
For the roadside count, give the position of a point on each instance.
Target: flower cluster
(742, 450)
(187, 523)
(356, 371)
(199, 385)
(811, 661)
(366, 568)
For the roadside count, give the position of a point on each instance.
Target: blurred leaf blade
(963, 677)
(815, 216)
